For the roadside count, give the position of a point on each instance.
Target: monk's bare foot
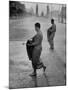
(51, 48)
(44, 68)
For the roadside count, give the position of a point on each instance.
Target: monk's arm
(53, 29)
(36, 41)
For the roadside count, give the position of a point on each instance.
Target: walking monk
(51, 34)
(37, 49)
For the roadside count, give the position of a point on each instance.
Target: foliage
(16, 8)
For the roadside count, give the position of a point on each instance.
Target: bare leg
(51, 42)
(34, 72)
(44, 67)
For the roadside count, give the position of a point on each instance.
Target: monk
(37, 49)
(51, 34)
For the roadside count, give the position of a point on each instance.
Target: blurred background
(18, 9)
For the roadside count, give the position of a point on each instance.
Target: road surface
(20, 67)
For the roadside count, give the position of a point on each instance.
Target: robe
(36, 50)
(51, 32)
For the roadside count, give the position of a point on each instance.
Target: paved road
(20, 67)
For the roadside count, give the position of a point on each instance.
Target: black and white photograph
(37, 44)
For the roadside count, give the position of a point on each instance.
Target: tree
(37, 9)
(48, 10)
(42, 14)
(31, 11)
(63, 13)
(16, 8)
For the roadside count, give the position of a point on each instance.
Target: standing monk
(37, 49)
(51, 34)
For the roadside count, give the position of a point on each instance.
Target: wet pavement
(20, 67)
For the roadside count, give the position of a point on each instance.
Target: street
(20, 67)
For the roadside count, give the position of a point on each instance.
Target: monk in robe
(37, 49)
(51, 34)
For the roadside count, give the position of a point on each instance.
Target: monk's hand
(29, 44)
